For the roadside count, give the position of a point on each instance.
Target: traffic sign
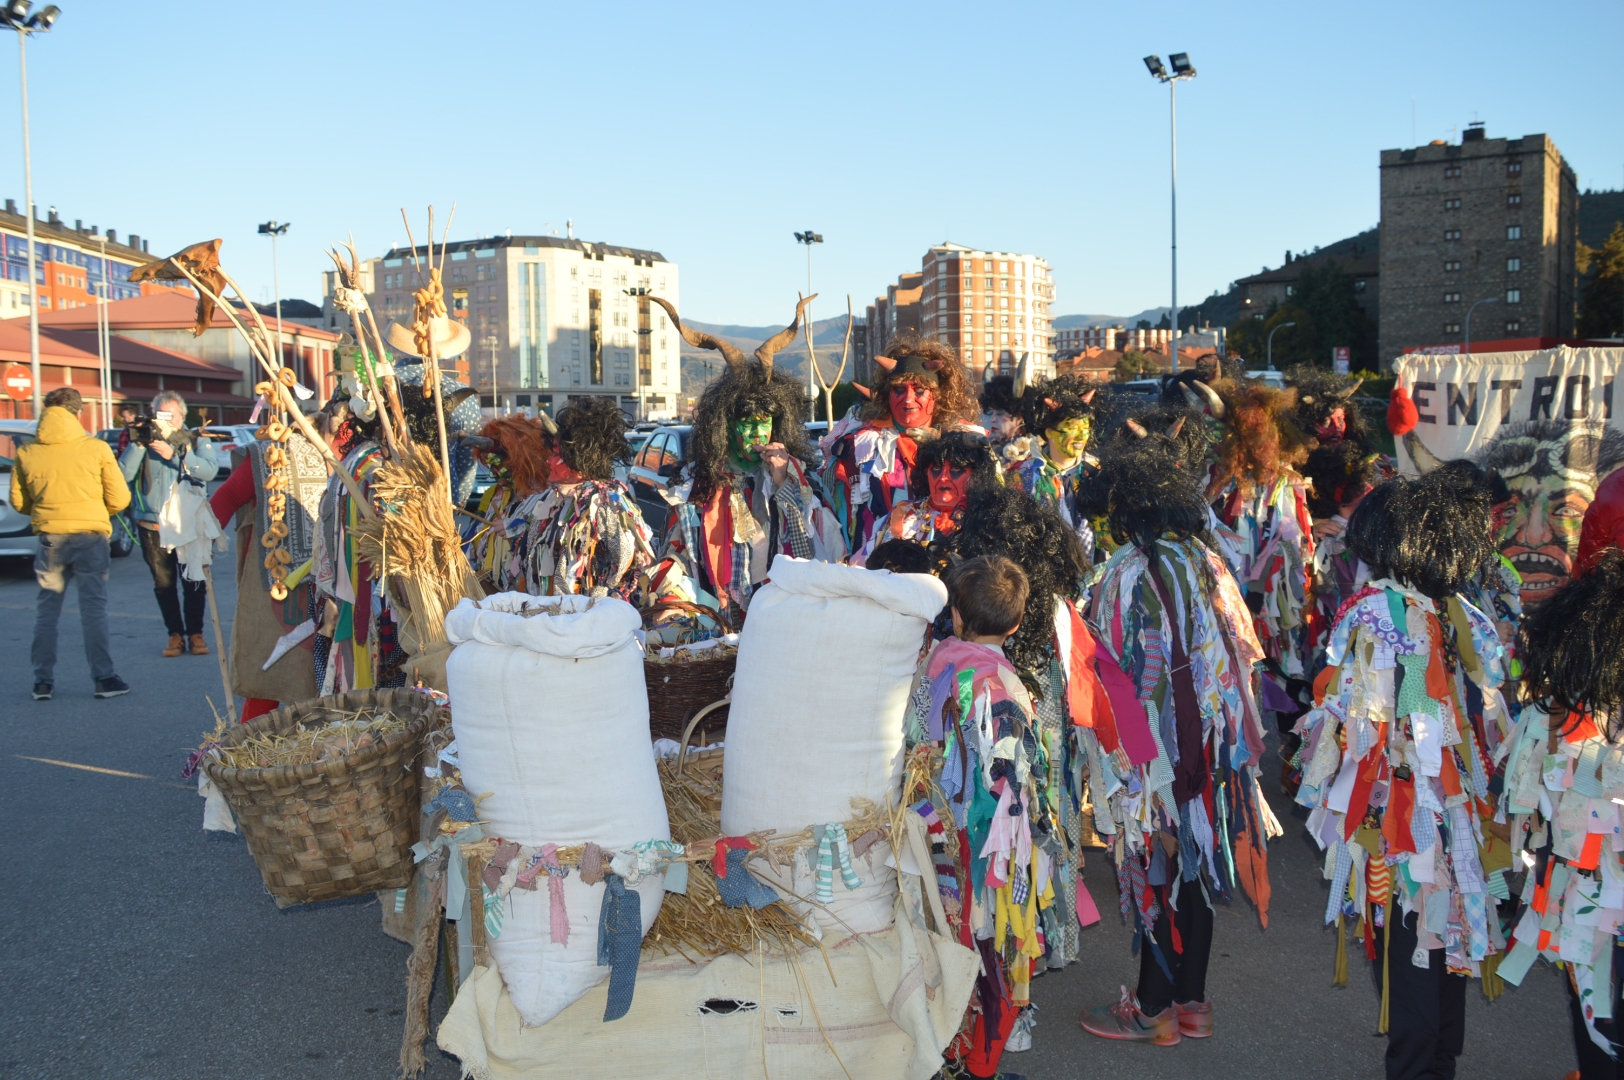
(1339, 359)
(18, 382)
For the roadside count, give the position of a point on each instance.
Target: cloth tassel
(558, 914)
(620, 940)
(420, 986)
(1387, 983)
(834, 845)
(1340, 976)
(1493, 984)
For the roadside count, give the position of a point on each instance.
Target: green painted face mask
(1069, 440)
(748, 435)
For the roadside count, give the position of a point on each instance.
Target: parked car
(653, 469)
(638, 440)
(16, 534)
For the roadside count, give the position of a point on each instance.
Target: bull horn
(1202, 396)
(861, 389)
(1138, 429)
(546, 421)
(765, 351)
(1023, 375)
(482, 443)
(730, 352)
(886, 363)
(1176, 427)
(1425, 460)
(1350, 391)
(1088, 398)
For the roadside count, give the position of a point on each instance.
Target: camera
(141, 430)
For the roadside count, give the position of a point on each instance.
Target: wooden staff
(219, 638)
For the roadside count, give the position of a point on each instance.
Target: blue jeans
(65, 557)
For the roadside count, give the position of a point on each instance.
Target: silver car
(16, 534)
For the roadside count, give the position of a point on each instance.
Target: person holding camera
(162, 453)
(68, 484)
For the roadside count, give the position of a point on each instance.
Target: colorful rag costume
(1397, 759)
(727, 542)
(1563, 786)
(584, 538)
(866, 475)
(356, 648)
(1267, 541)
(1039, 478)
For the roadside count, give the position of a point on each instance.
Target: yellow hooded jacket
(67, 481)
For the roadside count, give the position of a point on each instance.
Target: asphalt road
(134, 945)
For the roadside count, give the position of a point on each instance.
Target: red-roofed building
(140, 370)
(166, 320)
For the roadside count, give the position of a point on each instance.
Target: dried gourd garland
(278, 481)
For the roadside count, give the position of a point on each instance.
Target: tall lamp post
(273, 230)
(1181, 70)
(1474, 307)
(1270, 350)
(15, 16)
(490, 341)
(809, 238)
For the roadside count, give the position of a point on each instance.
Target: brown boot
(175, 646)
(197, 646)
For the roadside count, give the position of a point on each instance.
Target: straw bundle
(415, 540)
(318, 742)
(698, 923)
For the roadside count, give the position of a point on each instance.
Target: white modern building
(551, 318)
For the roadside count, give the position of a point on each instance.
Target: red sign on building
(17, 382)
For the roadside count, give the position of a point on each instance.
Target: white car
(16, 534)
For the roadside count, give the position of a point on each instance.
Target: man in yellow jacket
(69, 484)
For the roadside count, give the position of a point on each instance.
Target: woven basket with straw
(334, 828)
(678, 691)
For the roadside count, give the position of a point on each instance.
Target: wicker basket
(676, 692)
(336, 828)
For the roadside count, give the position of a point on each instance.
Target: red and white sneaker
(1195, 1018)
(1125, 1022)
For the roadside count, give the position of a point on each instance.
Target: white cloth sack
(551, 718)
(187, 526)
(898, 1003)
(825, 663)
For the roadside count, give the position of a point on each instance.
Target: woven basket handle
(655, 610)
(688, 732)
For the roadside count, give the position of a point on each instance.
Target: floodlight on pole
(1182, 69)
(809, 238)
(274, 230)
(14, 16)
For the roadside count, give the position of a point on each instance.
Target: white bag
(826, 659)
(551, 718)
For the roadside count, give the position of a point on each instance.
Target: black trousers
(1426, 1013)
(1189, 982)
(1594, 1063)
(182, 609)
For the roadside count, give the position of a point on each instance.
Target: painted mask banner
(1545, 421)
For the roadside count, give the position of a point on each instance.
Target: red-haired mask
(1334, 428)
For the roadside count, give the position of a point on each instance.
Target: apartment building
(551, 319)
(1070, 339)
(68, 264)
(1491, 220)
(992, 306)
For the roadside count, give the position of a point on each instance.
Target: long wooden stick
(286, 396)
(219, 638)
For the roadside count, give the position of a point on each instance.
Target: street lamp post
(1181, 70)
(273, 230)
(1282, 326)
(15, 16)
(809, 238)
(1474, 307)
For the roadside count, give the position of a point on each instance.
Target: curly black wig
(901, 557)
(1007, 521)
(1471, 481)
(1319, 394)
(1569, 648)
(1050, 404)
(1340, 472)
(743, 390)
(998, 395)
(1144, 493)
(964, 449)
(592, 437)
(1428, 536)
(1176, 430)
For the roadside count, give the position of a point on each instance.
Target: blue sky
(712, 132)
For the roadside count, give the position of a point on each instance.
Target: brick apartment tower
(1485, 218)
